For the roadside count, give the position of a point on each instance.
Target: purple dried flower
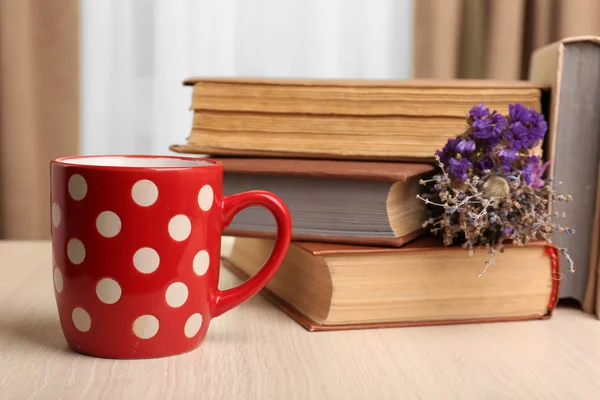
(451, 145)
(515, 145)
(483, 129)
(465, 147)
(506, 157)
(499, 120)
(519, 113)
(486, 126)
(484, 164)
(527, 126)
(444, 157)
(538, 127)
(495, 142)
(500, 123)
(479, 111)
(517, 132)
(459, 168)
(448, 151)
(508, 229)
(505, 164)
(509, 153)
(532, 164)
(537, 182)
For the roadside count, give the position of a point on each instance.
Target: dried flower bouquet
(490, 187)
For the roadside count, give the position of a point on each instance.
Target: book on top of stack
(346, 157)
(406, 120)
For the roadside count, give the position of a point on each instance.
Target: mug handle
(225, 300)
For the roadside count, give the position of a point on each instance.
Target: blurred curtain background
(39, 107)
(492, 39)
(104, 76)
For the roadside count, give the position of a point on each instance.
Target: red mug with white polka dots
(136, 244)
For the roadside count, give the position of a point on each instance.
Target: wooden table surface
(257, 352)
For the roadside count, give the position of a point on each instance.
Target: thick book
(330, 287)
(411, 97)
(570, 67)
(395, 120)
(331, 201)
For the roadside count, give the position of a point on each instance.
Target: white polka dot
(76, 251)
(192, 325)
(55, 215)
(145, 326)
(58, 280)
(108, 224)
(176, 294)
(108, 290)
(205, 197)
(146, 260)
(81, 319)
(144, 192)
(180, 227)
(77, 187)
(201, 262)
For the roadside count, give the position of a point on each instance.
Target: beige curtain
(492, 39)
(39, 107)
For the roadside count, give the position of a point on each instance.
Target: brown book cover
(257, 151)
(371, 170)
(390, 174)
(321, 249)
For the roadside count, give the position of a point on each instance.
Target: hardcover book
(331, 201)
(399, 120)
(570, 67)
(329, 287)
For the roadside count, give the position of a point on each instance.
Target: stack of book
(347, 157)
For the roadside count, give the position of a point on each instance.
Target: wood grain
(256, 352)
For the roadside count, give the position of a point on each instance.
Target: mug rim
(68, 161)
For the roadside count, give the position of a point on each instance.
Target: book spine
(552, 252)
